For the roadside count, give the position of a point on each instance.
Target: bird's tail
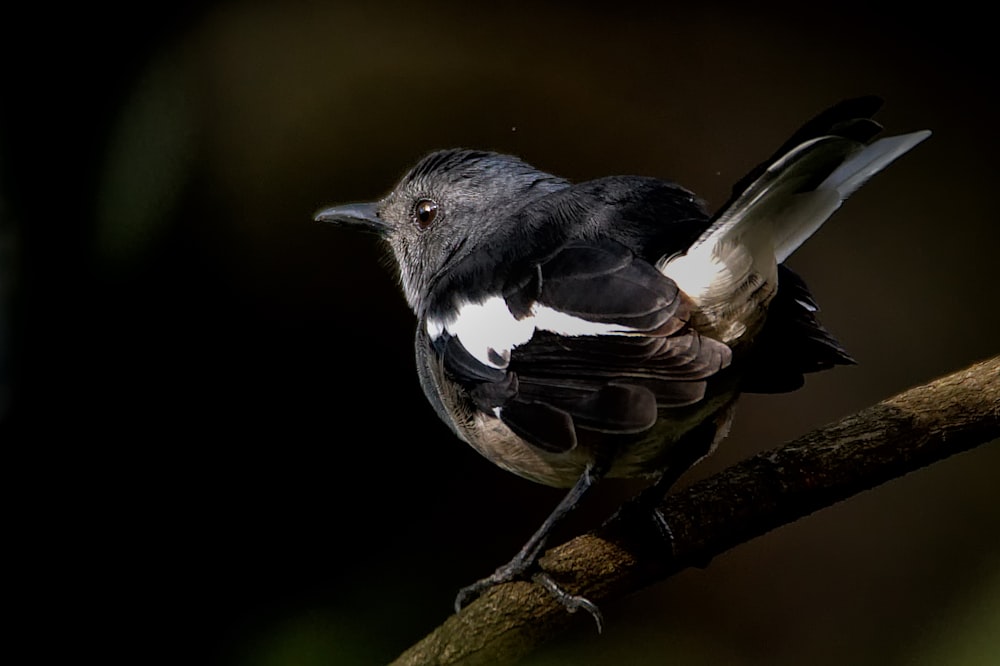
(730, 271)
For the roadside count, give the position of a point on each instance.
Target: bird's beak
(363, 216)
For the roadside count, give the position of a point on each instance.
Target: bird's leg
(695, 445)
(530, 552)
(644, 505)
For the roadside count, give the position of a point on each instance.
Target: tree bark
(904, 433)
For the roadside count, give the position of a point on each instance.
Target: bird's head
(450, 203)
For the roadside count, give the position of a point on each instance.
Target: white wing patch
(555, 321)
(489, 331)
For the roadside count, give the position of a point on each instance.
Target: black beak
(363, 216)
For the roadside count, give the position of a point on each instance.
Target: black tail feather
(851, 119)
(792, 343)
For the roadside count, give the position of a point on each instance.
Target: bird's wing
(592, 337)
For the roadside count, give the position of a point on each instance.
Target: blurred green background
(216, 450)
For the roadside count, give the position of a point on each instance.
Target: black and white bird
(570, 332)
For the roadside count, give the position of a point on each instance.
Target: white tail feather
(856, 171)
(731, 270)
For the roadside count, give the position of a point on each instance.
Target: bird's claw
(513, 570)
(470, 593)
(571, 602)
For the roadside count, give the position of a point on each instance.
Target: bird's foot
(643, 518)
(528, 556)
(513, 570)
(641, 515)
(570, 602)
(516, 570)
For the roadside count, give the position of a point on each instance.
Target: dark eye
(424, 213)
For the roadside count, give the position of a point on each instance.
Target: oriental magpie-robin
(570, 332)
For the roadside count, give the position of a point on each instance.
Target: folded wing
(608, 345)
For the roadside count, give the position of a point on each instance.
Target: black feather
(792, 342)
(604, 282)
(850, 119)
(546, 427)
(460, 363)
(648, 217)
(555, 384)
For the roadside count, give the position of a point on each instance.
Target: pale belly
(633, 457)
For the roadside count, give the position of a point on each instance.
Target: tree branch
(909, 431)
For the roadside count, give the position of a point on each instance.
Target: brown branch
(911, 430)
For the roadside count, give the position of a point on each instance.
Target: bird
(571, 332)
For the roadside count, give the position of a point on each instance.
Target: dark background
(215, 446)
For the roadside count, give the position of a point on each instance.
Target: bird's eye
(425, 212)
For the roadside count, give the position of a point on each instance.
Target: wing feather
(558, 382)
